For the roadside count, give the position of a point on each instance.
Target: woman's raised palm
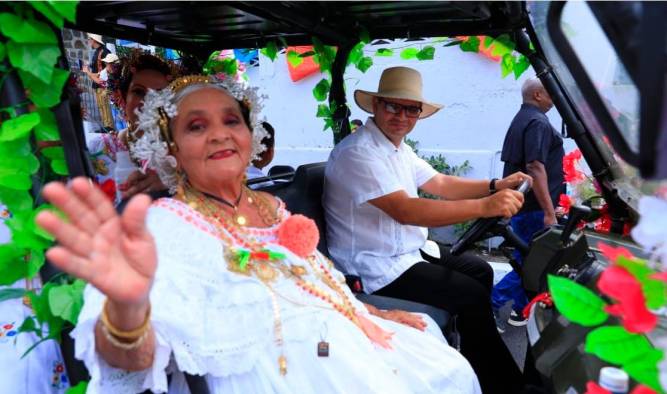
(114, 253)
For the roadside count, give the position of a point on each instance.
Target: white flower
(651, 231)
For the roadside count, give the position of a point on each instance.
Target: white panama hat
(95, 37)
(398, 83)
(110, 58)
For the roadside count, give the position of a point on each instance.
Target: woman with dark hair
(116, 174)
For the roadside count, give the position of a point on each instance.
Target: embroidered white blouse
(214, 322)
(362, 239)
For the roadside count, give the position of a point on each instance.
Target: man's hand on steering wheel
(505, 203)
(513, 181)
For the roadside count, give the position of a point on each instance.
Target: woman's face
(214, 143)
(141, 82)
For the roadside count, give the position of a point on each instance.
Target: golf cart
(541, 32)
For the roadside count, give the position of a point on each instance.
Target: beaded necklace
(253, 258)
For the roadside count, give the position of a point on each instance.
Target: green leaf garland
(577, 303)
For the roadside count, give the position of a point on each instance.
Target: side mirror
(576, 215)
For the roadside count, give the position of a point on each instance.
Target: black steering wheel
(481, 226)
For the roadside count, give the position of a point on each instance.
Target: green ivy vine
(324, 55)
(30, 155)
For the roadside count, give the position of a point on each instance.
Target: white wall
(479, 106)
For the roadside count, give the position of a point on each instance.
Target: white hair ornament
(152, 146)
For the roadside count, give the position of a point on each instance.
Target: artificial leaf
(80, 388)
(16, 200)
(294, 59)
(577, 303)
(654, 290)
(409, 53)
(45, 95)
(507, 65)
(22, 225)
(520, 66)
(47, 129)
(20, 164)
(39, 302)
(12, 267)
(470, 45)
(488, 41)
(36, 59)
(356, 53)
(59, 166)
(3, 51)
(328, 124)
(321, 90)
(34, 264)
(502, 45)
(65, 8)
(15, 180)
(28, 325)
(615, 345)
(270, 51)
(323, 111)
(427, 53)
(630, 305)
(645, 369)
(364, 36)
(10, 294)
(17, 148)
(66, 301)
(49, 13)
(54, 152)
(26, 31)
(384, 52)
(364, 64)
(17, 128)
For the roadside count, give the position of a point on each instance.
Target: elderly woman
(222, 281)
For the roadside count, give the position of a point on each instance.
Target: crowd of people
(217, 279)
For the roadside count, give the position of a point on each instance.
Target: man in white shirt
(376, 223)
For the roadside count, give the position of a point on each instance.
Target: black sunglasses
(411, 111)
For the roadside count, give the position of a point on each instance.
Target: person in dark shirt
(533, 146)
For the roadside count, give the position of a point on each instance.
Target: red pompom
(299, 234)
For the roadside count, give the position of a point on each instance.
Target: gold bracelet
(128, 335)
(124, 345)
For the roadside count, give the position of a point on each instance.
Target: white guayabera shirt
(362, 239)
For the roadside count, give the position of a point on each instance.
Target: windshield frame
(585, 84)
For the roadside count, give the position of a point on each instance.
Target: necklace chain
(267, 270)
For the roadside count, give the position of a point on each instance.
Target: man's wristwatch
(492, 186)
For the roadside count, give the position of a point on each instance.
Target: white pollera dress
(215, 322)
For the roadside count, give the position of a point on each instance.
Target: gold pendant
(297, 270)
(282, 364)
(265, 272)
(240, 220)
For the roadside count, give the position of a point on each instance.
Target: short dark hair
(140, 63)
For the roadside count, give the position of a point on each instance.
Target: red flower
(109, 188)
(8, 326)
(566, 202)
(641, 389)
(612, 253)
(617, 283)
(594, 388)
(572, 175)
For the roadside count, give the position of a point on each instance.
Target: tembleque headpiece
(152, 146)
